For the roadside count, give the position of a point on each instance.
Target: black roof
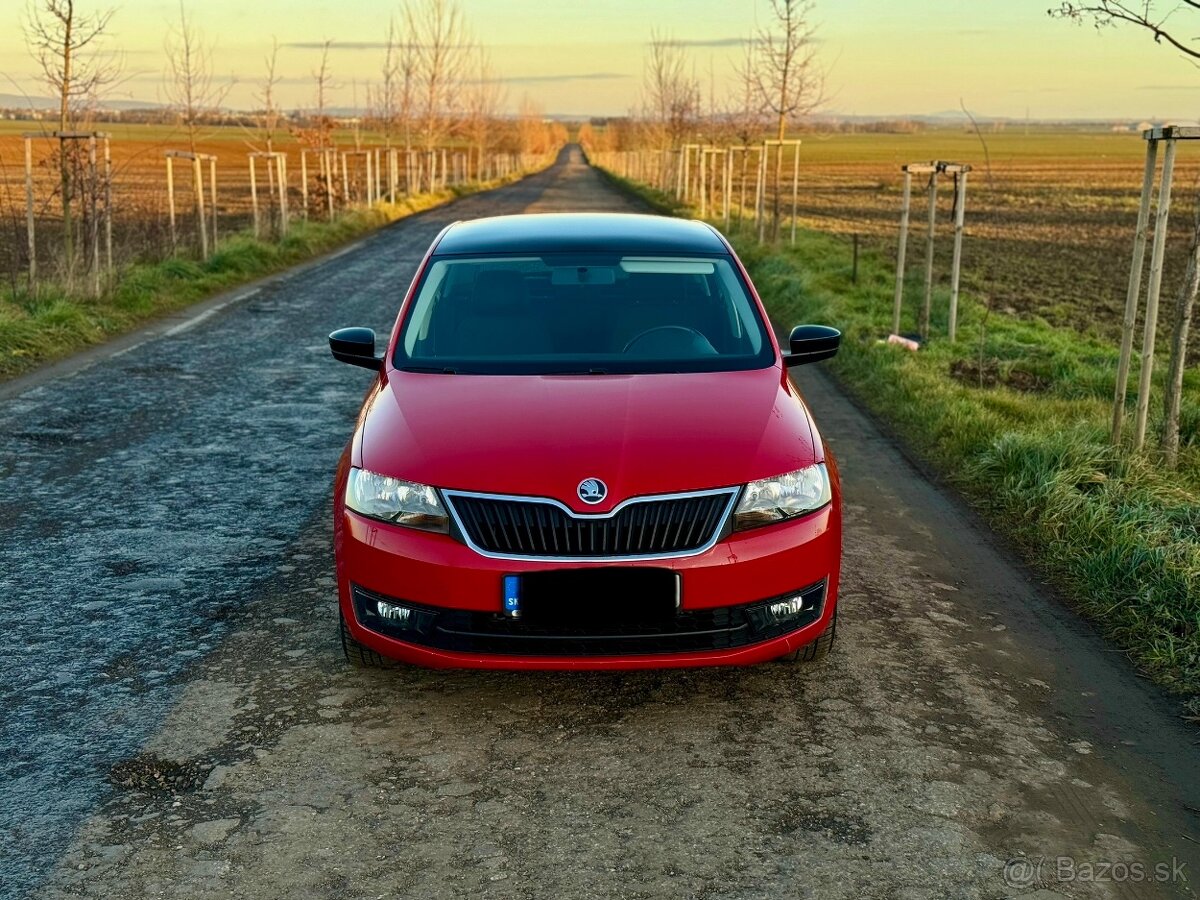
(580, 233)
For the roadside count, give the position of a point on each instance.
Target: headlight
(784, 497)
(396, 500)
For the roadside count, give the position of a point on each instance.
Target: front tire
(816, 650)
(358, 654)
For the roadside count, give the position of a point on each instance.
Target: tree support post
(92, 207)
(901, 250)
(29, 234)
(198, 184)
(795, 188)
(927, 300)
(960, 204)
(254, 198)
(281, 170)
(212, 188)
(1152, 293)
(1133, 291)
(108, 218)
(304, 182)
(171, 202)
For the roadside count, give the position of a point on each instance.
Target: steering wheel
(689, 334)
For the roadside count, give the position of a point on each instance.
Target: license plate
(591, 596)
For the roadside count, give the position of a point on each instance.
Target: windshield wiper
(436, 370)
(583, 372)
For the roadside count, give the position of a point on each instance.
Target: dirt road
(177, 720)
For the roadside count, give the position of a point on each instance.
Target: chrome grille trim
(722, 519)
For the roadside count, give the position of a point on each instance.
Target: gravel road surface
(176, 719)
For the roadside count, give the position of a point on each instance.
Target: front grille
(520, 526)
(467, 631)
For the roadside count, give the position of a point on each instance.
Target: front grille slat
(521, 526)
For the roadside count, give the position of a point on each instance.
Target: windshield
(560, 314)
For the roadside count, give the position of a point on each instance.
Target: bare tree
(789, 82)
(1143, 13)
(356, 118)
(65, 44)
(672, 94)
(531, 127)
(745, 103)
(387, 95)
(190, 87)
(1146, 14)
(484, 96)
(324, 84)
(438, 36)
(269, 112)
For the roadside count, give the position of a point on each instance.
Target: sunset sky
(883, 57)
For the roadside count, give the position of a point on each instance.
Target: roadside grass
(39, 328)
(1024, 436)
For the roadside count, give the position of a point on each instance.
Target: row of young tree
(775, 84)
(434, 88)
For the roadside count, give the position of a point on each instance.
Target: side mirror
(812, 343)
(355, 346)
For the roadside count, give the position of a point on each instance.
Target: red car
(582, 450)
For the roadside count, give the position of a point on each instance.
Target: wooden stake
(171, 202)
(330, 159)
(281, 180)
(304, 182)
(254, 198)
(727, 185)
(795, 188)
(742, 193)
(93, 217)
(898, 298)
(1133, 292)
(960, 204)
(108, 219)
(760, 198)
(927, 302)
(198, 185)
(212, 178)
(1152, 293)
(29, 214)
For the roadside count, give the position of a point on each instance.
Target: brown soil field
(1050, 216)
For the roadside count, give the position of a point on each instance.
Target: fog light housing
(389, 615)
(791, 607)
(788, 612)
(393, 614)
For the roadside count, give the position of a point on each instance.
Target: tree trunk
(1169, 444)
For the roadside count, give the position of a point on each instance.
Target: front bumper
(461, 591)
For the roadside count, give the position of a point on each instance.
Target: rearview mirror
(355, 346)
(812, 343)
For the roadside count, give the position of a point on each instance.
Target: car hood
(543, 435)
